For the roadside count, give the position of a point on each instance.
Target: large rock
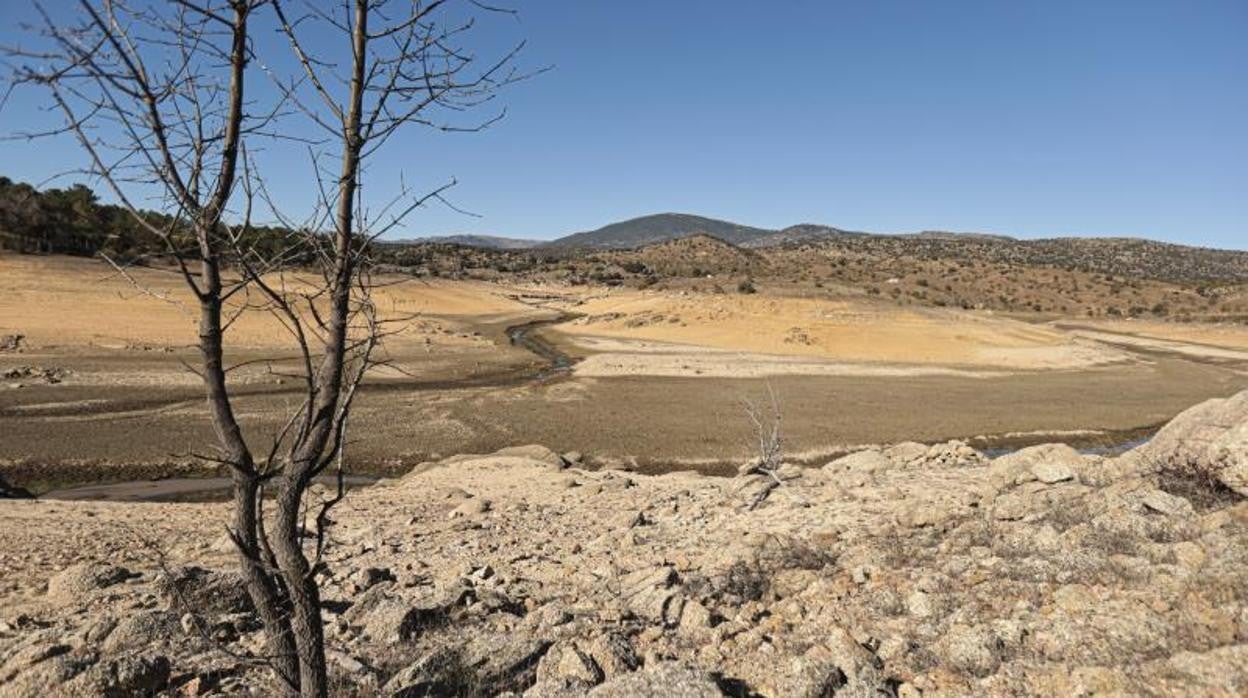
(970, 649)
(39, 650)
(43, 673)
(838, 666)
(383, 615)
(1212, 435)
(931, 511)
(1048, 463)
(440, 672)
(1166, 503)
(143, 630)
(1035, 499)
(487, 666)
(74, 583)
(861, 462)
(907, 453)
(568, 666)
(202, 591)
(504, 662)
(123, 678)
(649, 594)
(667, 679)
(613, 653)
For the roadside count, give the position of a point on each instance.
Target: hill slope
(694, 255)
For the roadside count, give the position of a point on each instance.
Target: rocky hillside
(914, 570)
(986, 275)
(1124, 257)
(693, 256)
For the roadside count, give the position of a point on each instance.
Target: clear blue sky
(1027, 118)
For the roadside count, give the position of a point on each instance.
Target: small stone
(695, 619)
(906, 453)
(861, 574)
(368, 577)
(1166, 503)
(566, 663)
(613, 653)
(919, 604)
(1189, 555)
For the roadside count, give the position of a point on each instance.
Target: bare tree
(161, 100)
(769, 441)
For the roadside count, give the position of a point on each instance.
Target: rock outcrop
(910, 570)
(1211, 438)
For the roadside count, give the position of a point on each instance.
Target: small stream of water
(176, 489)
(526, 336)
(212, 489)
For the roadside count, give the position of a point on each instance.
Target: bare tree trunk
(301, 588)
(246, 487)
(280, 645)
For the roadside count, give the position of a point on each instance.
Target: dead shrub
(1197, 482)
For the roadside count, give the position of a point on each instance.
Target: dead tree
(162, 98)
(770, 458)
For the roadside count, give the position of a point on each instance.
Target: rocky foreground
(909, 571)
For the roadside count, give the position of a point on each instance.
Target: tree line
(74, 221)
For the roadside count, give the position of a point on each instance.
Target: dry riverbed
(656, 382)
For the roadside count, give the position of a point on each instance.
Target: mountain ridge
(489, 242)
(642, 231)
(659, 227)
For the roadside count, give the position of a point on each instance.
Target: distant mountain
(487, 242)
(648, 230)
(1126, 257)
